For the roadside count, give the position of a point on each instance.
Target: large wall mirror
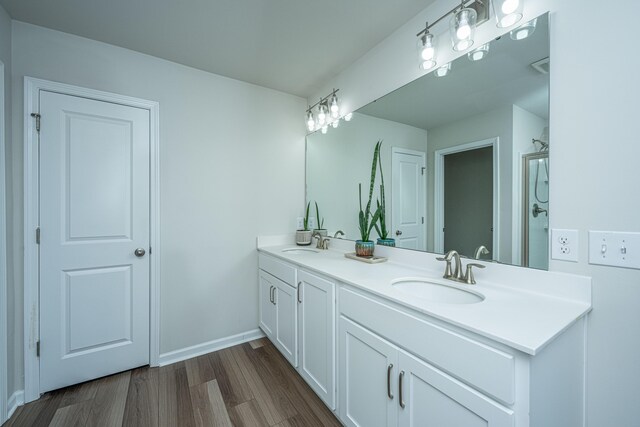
(464, 155)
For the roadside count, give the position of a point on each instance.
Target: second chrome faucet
(457, 274)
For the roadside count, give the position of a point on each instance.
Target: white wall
(333, 175)
(496, 123)
(594, 173)
(229, 151)
(5, 192)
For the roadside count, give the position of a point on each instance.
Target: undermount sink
(294, 251)
(432, 291)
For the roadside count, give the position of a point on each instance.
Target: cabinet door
(267, 304)
(287, 321)
(368, 372)
(316, 302)
(432, 398)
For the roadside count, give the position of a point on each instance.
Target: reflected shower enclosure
(535, 233)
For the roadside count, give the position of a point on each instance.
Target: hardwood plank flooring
(250, 385)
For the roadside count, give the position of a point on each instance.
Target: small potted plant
(320, 223)
(303, 237)
(366, 219)
(381, 229)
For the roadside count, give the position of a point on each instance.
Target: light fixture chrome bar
(323, 100)
(480, 6)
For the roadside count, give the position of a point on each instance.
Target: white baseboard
(208, 347)
(16, 399)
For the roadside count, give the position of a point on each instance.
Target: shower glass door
(535, 236)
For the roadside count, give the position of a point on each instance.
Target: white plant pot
(303, 237)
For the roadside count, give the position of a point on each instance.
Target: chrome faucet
(457, 274)
(480, 250)
(323, 242)
(338, 234)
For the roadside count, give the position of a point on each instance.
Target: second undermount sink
(298, 251)
(433, 291)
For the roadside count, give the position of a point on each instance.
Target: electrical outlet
(312, 223)
(564, 245)
(299, 223)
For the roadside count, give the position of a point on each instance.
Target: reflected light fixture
(324, 129)
(348, 117)
(335, 123)
(462, 27)
(525, 30)
(479, 53)
(508, 12)
(311, 121)
(427, 50)
(322, 114)
(443, 71)
(335, 109)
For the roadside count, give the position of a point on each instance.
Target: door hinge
(423, 220)
(38, 348)
(37, 235)
(37, 117)
(150, 250)
(423, 169)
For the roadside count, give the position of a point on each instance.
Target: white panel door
(317, 335)
(267, 305)
(432, 398)
(94, 214)
(408, 200)
(286, 321)
(368, 367)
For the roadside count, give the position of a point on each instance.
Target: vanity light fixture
(427, 50)
(462, 27)
(479, 53)
(443, 71)
(328, 112)
(508, 12)
(523, 31)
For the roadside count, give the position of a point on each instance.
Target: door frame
(32, 87)
(423, 189)
(439, 191)
(4, 392)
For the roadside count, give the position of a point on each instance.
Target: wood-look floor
(246, 385)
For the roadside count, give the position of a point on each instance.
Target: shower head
(543, 140)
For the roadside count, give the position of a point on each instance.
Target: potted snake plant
(320, 223)
(381, 225)
(366, 219)
(303, 237)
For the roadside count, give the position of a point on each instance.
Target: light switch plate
(299, 223)
(564, 244)
(613, 248)
(312, 223)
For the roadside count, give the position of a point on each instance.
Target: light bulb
(324, 129)
(443, 71)
(322, 115)
(462, 27)
(348, 117)
(311, 123)
(335, 110)
(510, 6)
(427, 51)
(335, 123)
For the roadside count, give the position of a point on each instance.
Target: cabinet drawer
(484, 367)
(279, 269)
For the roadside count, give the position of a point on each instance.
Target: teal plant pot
(387, 242)
(364, 248)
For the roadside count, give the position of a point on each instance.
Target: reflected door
(408, 199)
(468, 200)
(94, 214)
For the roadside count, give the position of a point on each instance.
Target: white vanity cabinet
(317, 337)
(278, 306)
(298, 314)
(382, 385)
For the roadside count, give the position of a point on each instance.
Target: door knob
(398, 233)
(139, 252)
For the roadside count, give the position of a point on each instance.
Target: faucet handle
(468, 277)
(448, 274)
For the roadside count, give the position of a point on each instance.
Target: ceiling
(289, 45)
(504, 77)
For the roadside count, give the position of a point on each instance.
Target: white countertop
(523, 319)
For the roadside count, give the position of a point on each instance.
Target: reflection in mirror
(465, 157)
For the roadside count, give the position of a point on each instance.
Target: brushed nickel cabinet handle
(299, 286)
(389, 368)
(400, 398)
(273, 297)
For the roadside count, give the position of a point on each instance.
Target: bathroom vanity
(395, 344)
